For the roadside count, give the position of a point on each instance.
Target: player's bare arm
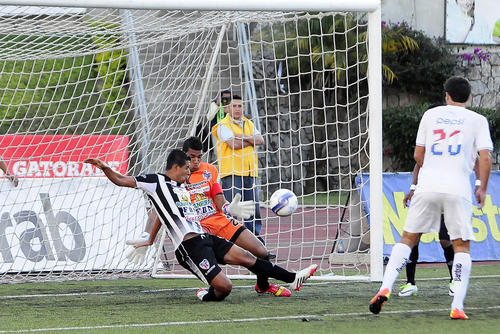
(152, 236)
(484, 175)
(113, 176)
(410, 193)
(419, 155)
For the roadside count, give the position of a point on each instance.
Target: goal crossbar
(275, 5)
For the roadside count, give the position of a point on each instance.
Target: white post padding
(275, 5)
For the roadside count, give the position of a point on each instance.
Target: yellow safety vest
(241, 162)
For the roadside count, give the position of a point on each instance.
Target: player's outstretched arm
(113, 176)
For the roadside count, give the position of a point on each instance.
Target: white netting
(128, 86)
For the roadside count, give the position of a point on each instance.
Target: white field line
(303, 317)
(104, 293)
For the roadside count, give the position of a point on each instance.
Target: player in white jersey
(448, 140)
(197, 251)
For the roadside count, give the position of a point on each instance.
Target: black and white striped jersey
(173, 205)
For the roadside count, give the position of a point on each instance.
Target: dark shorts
(201, 255)
(443, 231)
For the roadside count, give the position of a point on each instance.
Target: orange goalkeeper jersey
(202, 186)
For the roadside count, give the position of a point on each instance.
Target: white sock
(399, 258)
(462, 265)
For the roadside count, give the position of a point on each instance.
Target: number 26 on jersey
(450, 144)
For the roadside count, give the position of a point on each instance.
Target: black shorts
(201, 255)
(443, 231)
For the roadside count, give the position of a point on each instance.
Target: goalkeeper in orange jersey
(215, 212)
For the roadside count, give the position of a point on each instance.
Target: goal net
(129, 85)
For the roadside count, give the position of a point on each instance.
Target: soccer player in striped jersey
(208, 197)
(197, 251)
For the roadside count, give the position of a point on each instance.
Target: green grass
(145, 306)
(333, 198)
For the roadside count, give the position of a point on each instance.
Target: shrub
(400, 125)
(424, 70)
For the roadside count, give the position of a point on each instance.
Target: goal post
(128, 80)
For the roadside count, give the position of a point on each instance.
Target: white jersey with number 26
(452, 137)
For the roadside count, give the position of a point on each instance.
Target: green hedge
(400, 127)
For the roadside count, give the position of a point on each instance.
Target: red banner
(48, 156)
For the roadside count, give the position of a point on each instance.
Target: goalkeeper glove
(136, 255)
(239, 209)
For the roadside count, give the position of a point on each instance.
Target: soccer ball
(283, 202)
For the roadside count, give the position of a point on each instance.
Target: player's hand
(13, 179)
(136, 254)
(96, 162)
(138, 247)
(407, 198)
(240, 209)
(480, 196)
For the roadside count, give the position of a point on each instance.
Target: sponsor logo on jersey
(207, 175)
(450, 121)
(204, 264)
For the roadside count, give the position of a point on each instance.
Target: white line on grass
(102, 293)
(204, 322)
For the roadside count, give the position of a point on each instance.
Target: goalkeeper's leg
(247, 240)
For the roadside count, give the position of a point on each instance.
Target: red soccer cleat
(278, 291)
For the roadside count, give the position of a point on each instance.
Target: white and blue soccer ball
(283, 202)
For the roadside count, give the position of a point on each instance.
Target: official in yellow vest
(238, 165)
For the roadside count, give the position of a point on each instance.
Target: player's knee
(224, 290)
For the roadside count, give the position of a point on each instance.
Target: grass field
(170, 306)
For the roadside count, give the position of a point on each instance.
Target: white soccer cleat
(407, 290)
(302, 276)
(201, 293)
(451, 289)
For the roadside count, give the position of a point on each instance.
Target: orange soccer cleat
(457, 314)
(379, 300)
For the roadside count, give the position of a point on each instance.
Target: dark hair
(434, 105)
(176, 157)
(236, 97)
(458, 88)
(193, 143)
(225, 92)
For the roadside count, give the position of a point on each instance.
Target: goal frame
(372, 7)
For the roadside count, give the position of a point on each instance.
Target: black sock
(449, 254)
(267, 269)
(411, 267)
(211, 297)
(262, 282)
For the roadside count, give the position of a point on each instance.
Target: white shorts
(425, 210)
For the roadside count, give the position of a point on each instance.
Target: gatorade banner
(51, 156)
(485, 221)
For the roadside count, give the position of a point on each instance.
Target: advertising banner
(49, 224)
(485, 221)
(64, 215)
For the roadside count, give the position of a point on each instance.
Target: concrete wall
(425, 15)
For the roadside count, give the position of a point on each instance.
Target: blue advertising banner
(484, 221)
